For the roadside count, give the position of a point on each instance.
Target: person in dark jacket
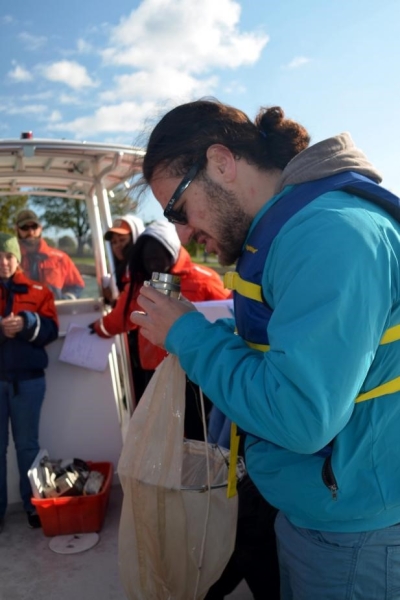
(28, 322)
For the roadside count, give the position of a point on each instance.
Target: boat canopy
(64, 168)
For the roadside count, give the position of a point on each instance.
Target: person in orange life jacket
(28, 322)
(122, 236)
(159, 249)
(42, 263)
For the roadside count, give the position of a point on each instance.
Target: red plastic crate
(76, 514)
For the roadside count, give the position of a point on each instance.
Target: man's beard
(231, 223)
(30, 244)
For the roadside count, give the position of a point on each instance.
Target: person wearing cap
(122, 236)
(43, 263)
(158, 249)
(28, 322)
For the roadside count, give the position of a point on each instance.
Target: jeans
(316, 565)
(20, 402)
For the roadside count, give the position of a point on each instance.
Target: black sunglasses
(176, 216)
(34, 226)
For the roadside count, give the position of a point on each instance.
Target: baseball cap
(26, 216)
(119, 226)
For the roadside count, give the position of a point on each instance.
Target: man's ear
(221, 163)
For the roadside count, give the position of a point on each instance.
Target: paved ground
(30, 570)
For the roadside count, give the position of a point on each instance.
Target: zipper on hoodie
(328, 477)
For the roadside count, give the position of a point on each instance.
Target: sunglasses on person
(33, 226)
(179, 216)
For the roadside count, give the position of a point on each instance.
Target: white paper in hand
(83, 349)
(216, 309)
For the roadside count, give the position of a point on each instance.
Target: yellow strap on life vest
(390, 387)
(234, 452)
(233, 281)
(261, 347)
(391, 335)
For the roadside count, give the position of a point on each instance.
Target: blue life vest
(252, 313)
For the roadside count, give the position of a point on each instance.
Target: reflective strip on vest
(233, 281)
(103, 329)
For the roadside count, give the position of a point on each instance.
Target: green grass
(199, 260)
(83, 260)
(213, 263)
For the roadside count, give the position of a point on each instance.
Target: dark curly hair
(184, 134)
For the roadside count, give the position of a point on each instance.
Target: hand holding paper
(82, 349)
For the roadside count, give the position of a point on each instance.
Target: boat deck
(31, 570)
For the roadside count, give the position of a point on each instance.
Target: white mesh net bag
(177, 529)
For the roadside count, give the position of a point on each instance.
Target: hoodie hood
(165, 233)
(126, 224)
(329, 157)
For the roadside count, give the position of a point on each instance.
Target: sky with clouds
(106, 71)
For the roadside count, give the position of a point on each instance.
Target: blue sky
(106, 71)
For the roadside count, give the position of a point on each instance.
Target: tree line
(61, 213)
(68, 214)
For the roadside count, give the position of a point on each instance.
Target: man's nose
(185, 233)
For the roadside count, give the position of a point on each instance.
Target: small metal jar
(167, 284)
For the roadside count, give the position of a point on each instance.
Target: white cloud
(7, 19)
(163, 82)
(124, 117)
(190, 37)
(164, 51)
(83, 46)
(19, 74)
(54, 116)
(38, 96)
(68, 72)
(32, 42)
(32, 109)
(39, 111)
(298, 61)
(235, 87)
(173, 45)
(68, 99)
